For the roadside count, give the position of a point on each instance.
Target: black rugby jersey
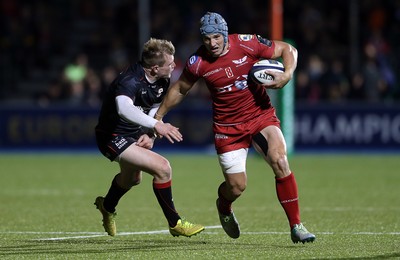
(132, 83)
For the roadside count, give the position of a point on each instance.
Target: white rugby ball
(259, 74)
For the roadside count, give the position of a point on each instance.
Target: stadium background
(56, 58)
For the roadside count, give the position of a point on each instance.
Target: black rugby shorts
(111, 146)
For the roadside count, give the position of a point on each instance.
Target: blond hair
(154, 50)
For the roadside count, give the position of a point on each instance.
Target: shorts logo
(220, 136)
(120, 142)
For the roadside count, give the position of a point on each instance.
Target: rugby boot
(229, 223)
(108, 217)
(185, 228)
(299, 233)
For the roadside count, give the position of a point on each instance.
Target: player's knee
(136, 181)
(128, 182)
(235, 190)
(164, 170)
(238, 189)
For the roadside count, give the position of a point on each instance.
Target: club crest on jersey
(193, 59)
(160, 91)
(240, 61)
(245, 37)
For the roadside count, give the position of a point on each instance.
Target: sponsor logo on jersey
(212, 72)
(264, 41)
(193, 59)
(245, 37)
(225, 89)
(241, 84)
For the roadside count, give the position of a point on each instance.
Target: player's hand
(280, 79)
(168, 131)
(145, 141)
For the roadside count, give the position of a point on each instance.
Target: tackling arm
(127, 110)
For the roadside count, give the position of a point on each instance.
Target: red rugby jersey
(235, 99)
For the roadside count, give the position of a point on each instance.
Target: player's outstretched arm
(174, 96)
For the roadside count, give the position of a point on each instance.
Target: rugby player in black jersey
(126, 131)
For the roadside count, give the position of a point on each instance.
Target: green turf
(350, 202)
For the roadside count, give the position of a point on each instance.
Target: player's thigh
(276, 141)
(277, 155)
(233, 165)
(136, 158)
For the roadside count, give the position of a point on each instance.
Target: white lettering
(357, 129)
(395, 129)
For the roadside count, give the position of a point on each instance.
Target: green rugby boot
(108, 217)
(185, 228)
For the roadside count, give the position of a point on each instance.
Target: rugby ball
(259, 74)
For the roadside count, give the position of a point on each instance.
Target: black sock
(113, 196)
(163, 192)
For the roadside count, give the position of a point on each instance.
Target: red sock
(286, 189)
(224, 205)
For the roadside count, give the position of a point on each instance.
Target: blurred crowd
(68, 52)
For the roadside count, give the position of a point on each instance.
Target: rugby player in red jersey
(125, 134)
(242, 113)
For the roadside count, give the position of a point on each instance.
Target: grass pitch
(350, 202)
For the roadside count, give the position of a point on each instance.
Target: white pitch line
(82, 235)
(50, 232)
(119, 234)
(63, 238)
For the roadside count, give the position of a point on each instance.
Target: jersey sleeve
(192, 67)
(267, 47)
(133, 114)
(264, 47)
(127, 87)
